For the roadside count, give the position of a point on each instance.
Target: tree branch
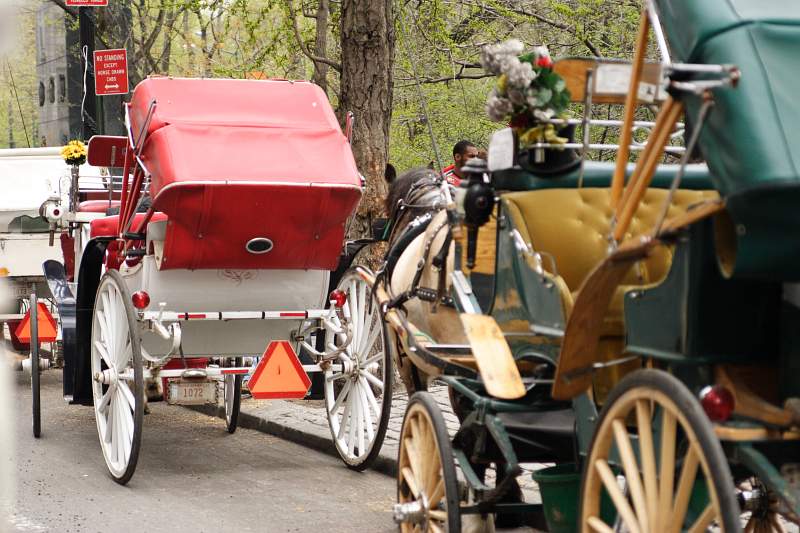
(444, 79)
(67, 10)
(306, 52)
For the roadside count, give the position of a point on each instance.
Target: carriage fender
(88, 280)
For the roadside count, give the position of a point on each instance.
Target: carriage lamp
(140, 299)
(717, 402)
(339, 298)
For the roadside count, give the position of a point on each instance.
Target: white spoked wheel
(232, 397)
(117, 385)
(358, 394)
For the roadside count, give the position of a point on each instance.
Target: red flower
(544, 61)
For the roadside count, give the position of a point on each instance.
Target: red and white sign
(110, 72)
(279, 374)
(87, 3)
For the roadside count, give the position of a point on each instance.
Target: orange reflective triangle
(47, 326)
(279, 374)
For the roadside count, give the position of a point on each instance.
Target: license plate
(23, 290)
(183, 392)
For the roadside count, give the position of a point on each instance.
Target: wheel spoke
(436, 514)
(342, 397)
(413, 458)
(610, 483)
(372, 379)
(598, 525)
(634, 481)
(345, 415)
(359, 420)
(352, 401)
(685, 485)
(103, 353)
(368, 341)
(365, 409)
(643, 415)
(109, 422)
(705, 519)
(124, 357)
(437, 493)
(667, 466)
(102, 406)
(127, 394)
(411, 482)
(370, 396)
(374, 359)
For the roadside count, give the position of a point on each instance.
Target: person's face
(469, 153)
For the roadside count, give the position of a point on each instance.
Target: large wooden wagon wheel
(427, 487)
(358, 395)
(117, 385)
(654, 435)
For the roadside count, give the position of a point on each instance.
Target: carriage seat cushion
(97, 206)
(107, 226)
(572, 225)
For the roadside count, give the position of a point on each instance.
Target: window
(41, 94)
(51, 90)
(62, 88)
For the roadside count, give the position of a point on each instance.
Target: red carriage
(226, 235)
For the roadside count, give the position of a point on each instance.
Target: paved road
(192, 476)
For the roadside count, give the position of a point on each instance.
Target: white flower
(541, 51)
(516, 96)
(498, 107)
(520, 75)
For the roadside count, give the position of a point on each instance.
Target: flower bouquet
(74, 153)
(528, 92)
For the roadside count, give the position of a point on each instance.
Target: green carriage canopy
(751, 140)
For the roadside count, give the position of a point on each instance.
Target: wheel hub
(107, 376)
(415, 511)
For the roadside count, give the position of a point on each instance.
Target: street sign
(279, 374)
(47, 326)
(110, 72)
(87, 3)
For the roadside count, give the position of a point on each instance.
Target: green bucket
(560, 487)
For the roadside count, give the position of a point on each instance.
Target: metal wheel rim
(118, 407)
(356, 412)
(658, 490)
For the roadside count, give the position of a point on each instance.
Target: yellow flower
(73, 152)
(502, 83)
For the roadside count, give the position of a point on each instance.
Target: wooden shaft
(646, 154)
(630, 107)
(124, 191)
(646, 166)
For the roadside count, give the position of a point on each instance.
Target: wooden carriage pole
(630, 107)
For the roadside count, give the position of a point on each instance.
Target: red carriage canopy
(236, 160)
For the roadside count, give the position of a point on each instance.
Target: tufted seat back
(572, 225)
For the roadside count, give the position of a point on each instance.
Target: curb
(383, 463)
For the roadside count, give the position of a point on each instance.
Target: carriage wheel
(35, 377)
(232, 396)
(117, 384)
(358, 396)
(427, 487)
(678, 481)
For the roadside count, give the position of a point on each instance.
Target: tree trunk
(368, 39)
(321, 45)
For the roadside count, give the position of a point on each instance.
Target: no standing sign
(110, 72)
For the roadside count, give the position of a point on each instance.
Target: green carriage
(653, 326)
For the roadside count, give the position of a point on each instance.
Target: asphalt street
(192, 476)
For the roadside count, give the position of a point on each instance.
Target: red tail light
(717, 402)
(140, 299)
(339, 298)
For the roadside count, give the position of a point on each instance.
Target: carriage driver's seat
(572, 226)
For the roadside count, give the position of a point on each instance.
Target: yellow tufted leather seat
(572, 226)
